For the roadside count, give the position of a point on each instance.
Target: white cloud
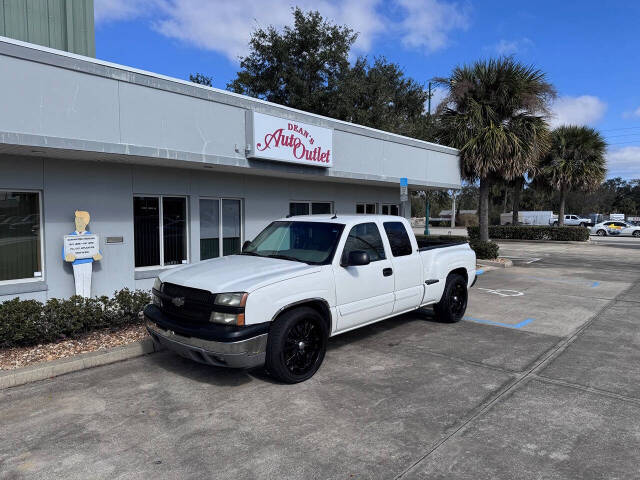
(624, 162)
(632, 114)
(225, 25)
(583, 110)
(428, 23)
(116, 10)
(511, 47)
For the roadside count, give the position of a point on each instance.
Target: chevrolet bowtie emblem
(178, 301)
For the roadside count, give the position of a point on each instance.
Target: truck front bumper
(245, 353)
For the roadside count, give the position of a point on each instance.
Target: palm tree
(575, 161)
(495, 113)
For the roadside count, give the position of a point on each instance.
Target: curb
(42, 371)
(559, 242)
(493, 263)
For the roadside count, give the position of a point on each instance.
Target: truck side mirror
(357, 258)
(246, 244)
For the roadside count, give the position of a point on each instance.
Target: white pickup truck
(300, 281)
(571, 220)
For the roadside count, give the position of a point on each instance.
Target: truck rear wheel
(297, 345)
(453, 303)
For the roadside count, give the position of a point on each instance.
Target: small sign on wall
(282, 140)
(404, 189)
(82, 246)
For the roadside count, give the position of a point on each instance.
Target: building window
(366, 208)
(20, 236)
(220, 215)
(390, 209)
(160, 231)
(310, 208)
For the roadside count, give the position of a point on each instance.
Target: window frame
(310, 205)
(382, 205)
(365, 204)
(161, 231)
(220, 231)
(41, 278)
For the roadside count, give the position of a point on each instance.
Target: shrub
(532, 232)
(29, 322)
(486, 250)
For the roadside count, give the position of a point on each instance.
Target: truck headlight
(227, 318)
(155, 299)
(238, 299)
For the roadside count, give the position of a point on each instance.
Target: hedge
(30, 322)
(485, 250)
(532, 232)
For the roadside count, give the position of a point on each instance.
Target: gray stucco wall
(106, 190)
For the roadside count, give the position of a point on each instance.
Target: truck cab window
(365, 237)
(398, 238)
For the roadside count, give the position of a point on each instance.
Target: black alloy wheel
(601, 233)
(453, 303)
(636, 233)
(297, 345)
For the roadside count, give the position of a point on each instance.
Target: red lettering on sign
(294, 141)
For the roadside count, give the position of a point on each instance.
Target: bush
(29, 322)
(485, 250)
(532, 232)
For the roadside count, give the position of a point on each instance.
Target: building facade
(170, 172)
(62, 24)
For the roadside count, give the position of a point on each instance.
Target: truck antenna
(335, 215)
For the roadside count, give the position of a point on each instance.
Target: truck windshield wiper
(285, 257)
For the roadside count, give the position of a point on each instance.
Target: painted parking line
(524, 322)
(526, 260)
(557, 280)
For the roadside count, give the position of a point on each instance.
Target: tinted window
(309, 242)
(365, 237)
(398, 238)
(20, 235)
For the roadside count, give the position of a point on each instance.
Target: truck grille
(190, 305)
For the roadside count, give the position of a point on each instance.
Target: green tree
(575, 161)
(300, 67)
(201, 79)
(306, 66)
(494, 112)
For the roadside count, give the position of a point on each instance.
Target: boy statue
(82, 267)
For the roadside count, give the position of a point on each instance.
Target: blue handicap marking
(479, 272)
(404, 182)
(595, 284)
(500, 324)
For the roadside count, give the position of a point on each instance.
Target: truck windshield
(308, 242)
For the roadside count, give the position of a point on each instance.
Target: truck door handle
(387, 271)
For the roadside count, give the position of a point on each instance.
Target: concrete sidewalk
(539, 381)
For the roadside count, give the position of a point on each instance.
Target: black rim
(302, 347)
(458, 301)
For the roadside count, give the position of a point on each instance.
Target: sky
(590, 50)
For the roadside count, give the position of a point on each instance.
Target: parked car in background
(302, 280)
(572, 220)
(616, 228)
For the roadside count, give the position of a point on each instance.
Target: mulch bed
(12, 358)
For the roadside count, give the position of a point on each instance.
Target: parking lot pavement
(538, 385)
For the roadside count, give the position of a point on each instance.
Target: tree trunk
(483, 209)
(515, 205)
(563, 199)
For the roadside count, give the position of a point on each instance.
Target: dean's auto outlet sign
(282, 140)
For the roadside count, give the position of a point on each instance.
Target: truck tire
(555, 224)
(453, 303)
(583, 224)
(297, 345)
